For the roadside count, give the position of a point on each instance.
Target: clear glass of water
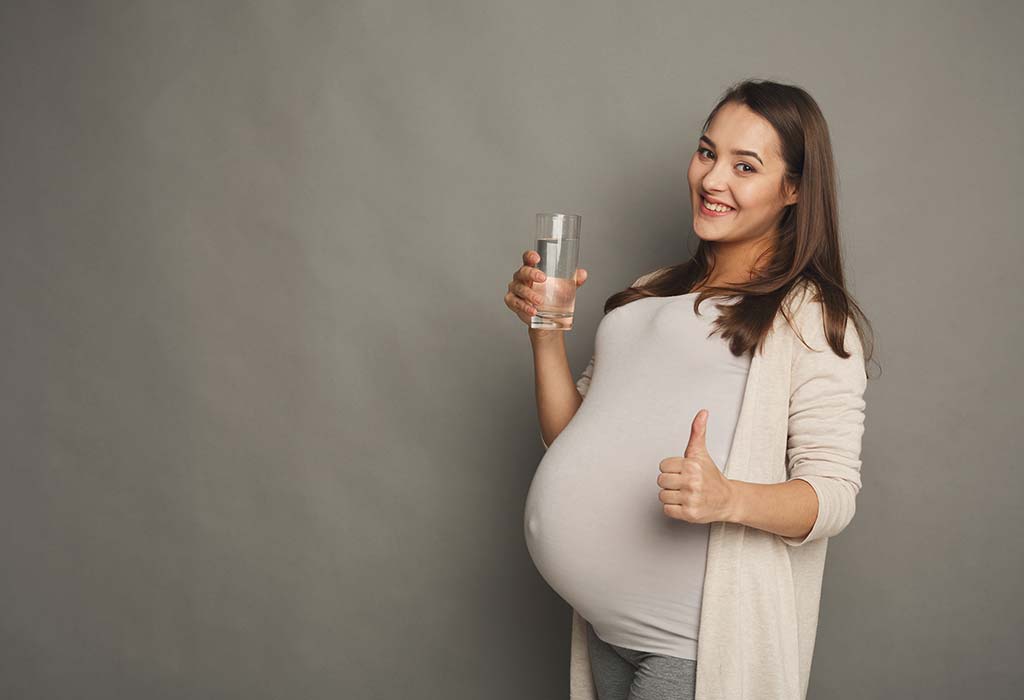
(558, 242)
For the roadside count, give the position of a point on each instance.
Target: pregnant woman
(698, 466)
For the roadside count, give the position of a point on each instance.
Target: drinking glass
(558, 242)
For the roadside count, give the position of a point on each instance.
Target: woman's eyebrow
(734, 152)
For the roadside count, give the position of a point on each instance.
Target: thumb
(697, 446)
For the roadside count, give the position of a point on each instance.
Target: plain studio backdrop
(267, 424)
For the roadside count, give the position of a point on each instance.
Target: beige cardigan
(802, 417)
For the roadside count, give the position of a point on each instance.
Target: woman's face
(747, 183)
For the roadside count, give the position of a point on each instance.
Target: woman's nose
(714, 180)
(712, 185)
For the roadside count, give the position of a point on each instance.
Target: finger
(527, 294)
(581, 276)
(531, 257)
(674, 511)
(672, 496)
(698, 435)
(519, 305)
(671, 481)
(671, 465)
(528, 273)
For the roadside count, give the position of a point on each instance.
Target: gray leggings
(626, 674)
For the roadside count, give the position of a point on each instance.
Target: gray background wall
(267, 425)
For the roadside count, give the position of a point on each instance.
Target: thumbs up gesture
(692, 487)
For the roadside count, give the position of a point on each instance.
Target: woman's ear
(792, 194)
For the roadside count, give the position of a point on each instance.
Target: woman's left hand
(693, 488)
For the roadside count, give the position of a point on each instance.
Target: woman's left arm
(826, 426)
(789, 509)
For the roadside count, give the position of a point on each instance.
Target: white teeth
(715, 207)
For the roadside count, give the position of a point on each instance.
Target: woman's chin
(706, 233)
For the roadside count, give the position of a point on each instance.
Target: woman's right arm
(558, 395)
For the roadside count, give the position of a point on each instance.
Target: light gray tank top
(594, 525)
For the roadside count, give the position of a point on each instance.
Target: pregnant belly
(596, 530)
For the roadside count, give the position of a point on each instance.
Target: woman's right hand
(522, 299)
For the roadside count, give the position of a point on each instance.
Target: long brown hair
(806, 248)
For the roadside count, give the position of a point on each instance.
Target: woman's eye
(749, 169)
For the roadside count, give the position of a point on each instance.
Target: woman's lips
(709, 213)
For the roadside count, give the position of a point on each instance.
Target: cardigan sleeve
(583, 383)
(826, 424)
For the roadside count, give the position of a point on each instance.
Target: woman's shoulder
(647, 277)
(807, 318)
(802, 302)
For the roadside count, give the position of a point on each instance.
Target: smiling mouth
(711, 212)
